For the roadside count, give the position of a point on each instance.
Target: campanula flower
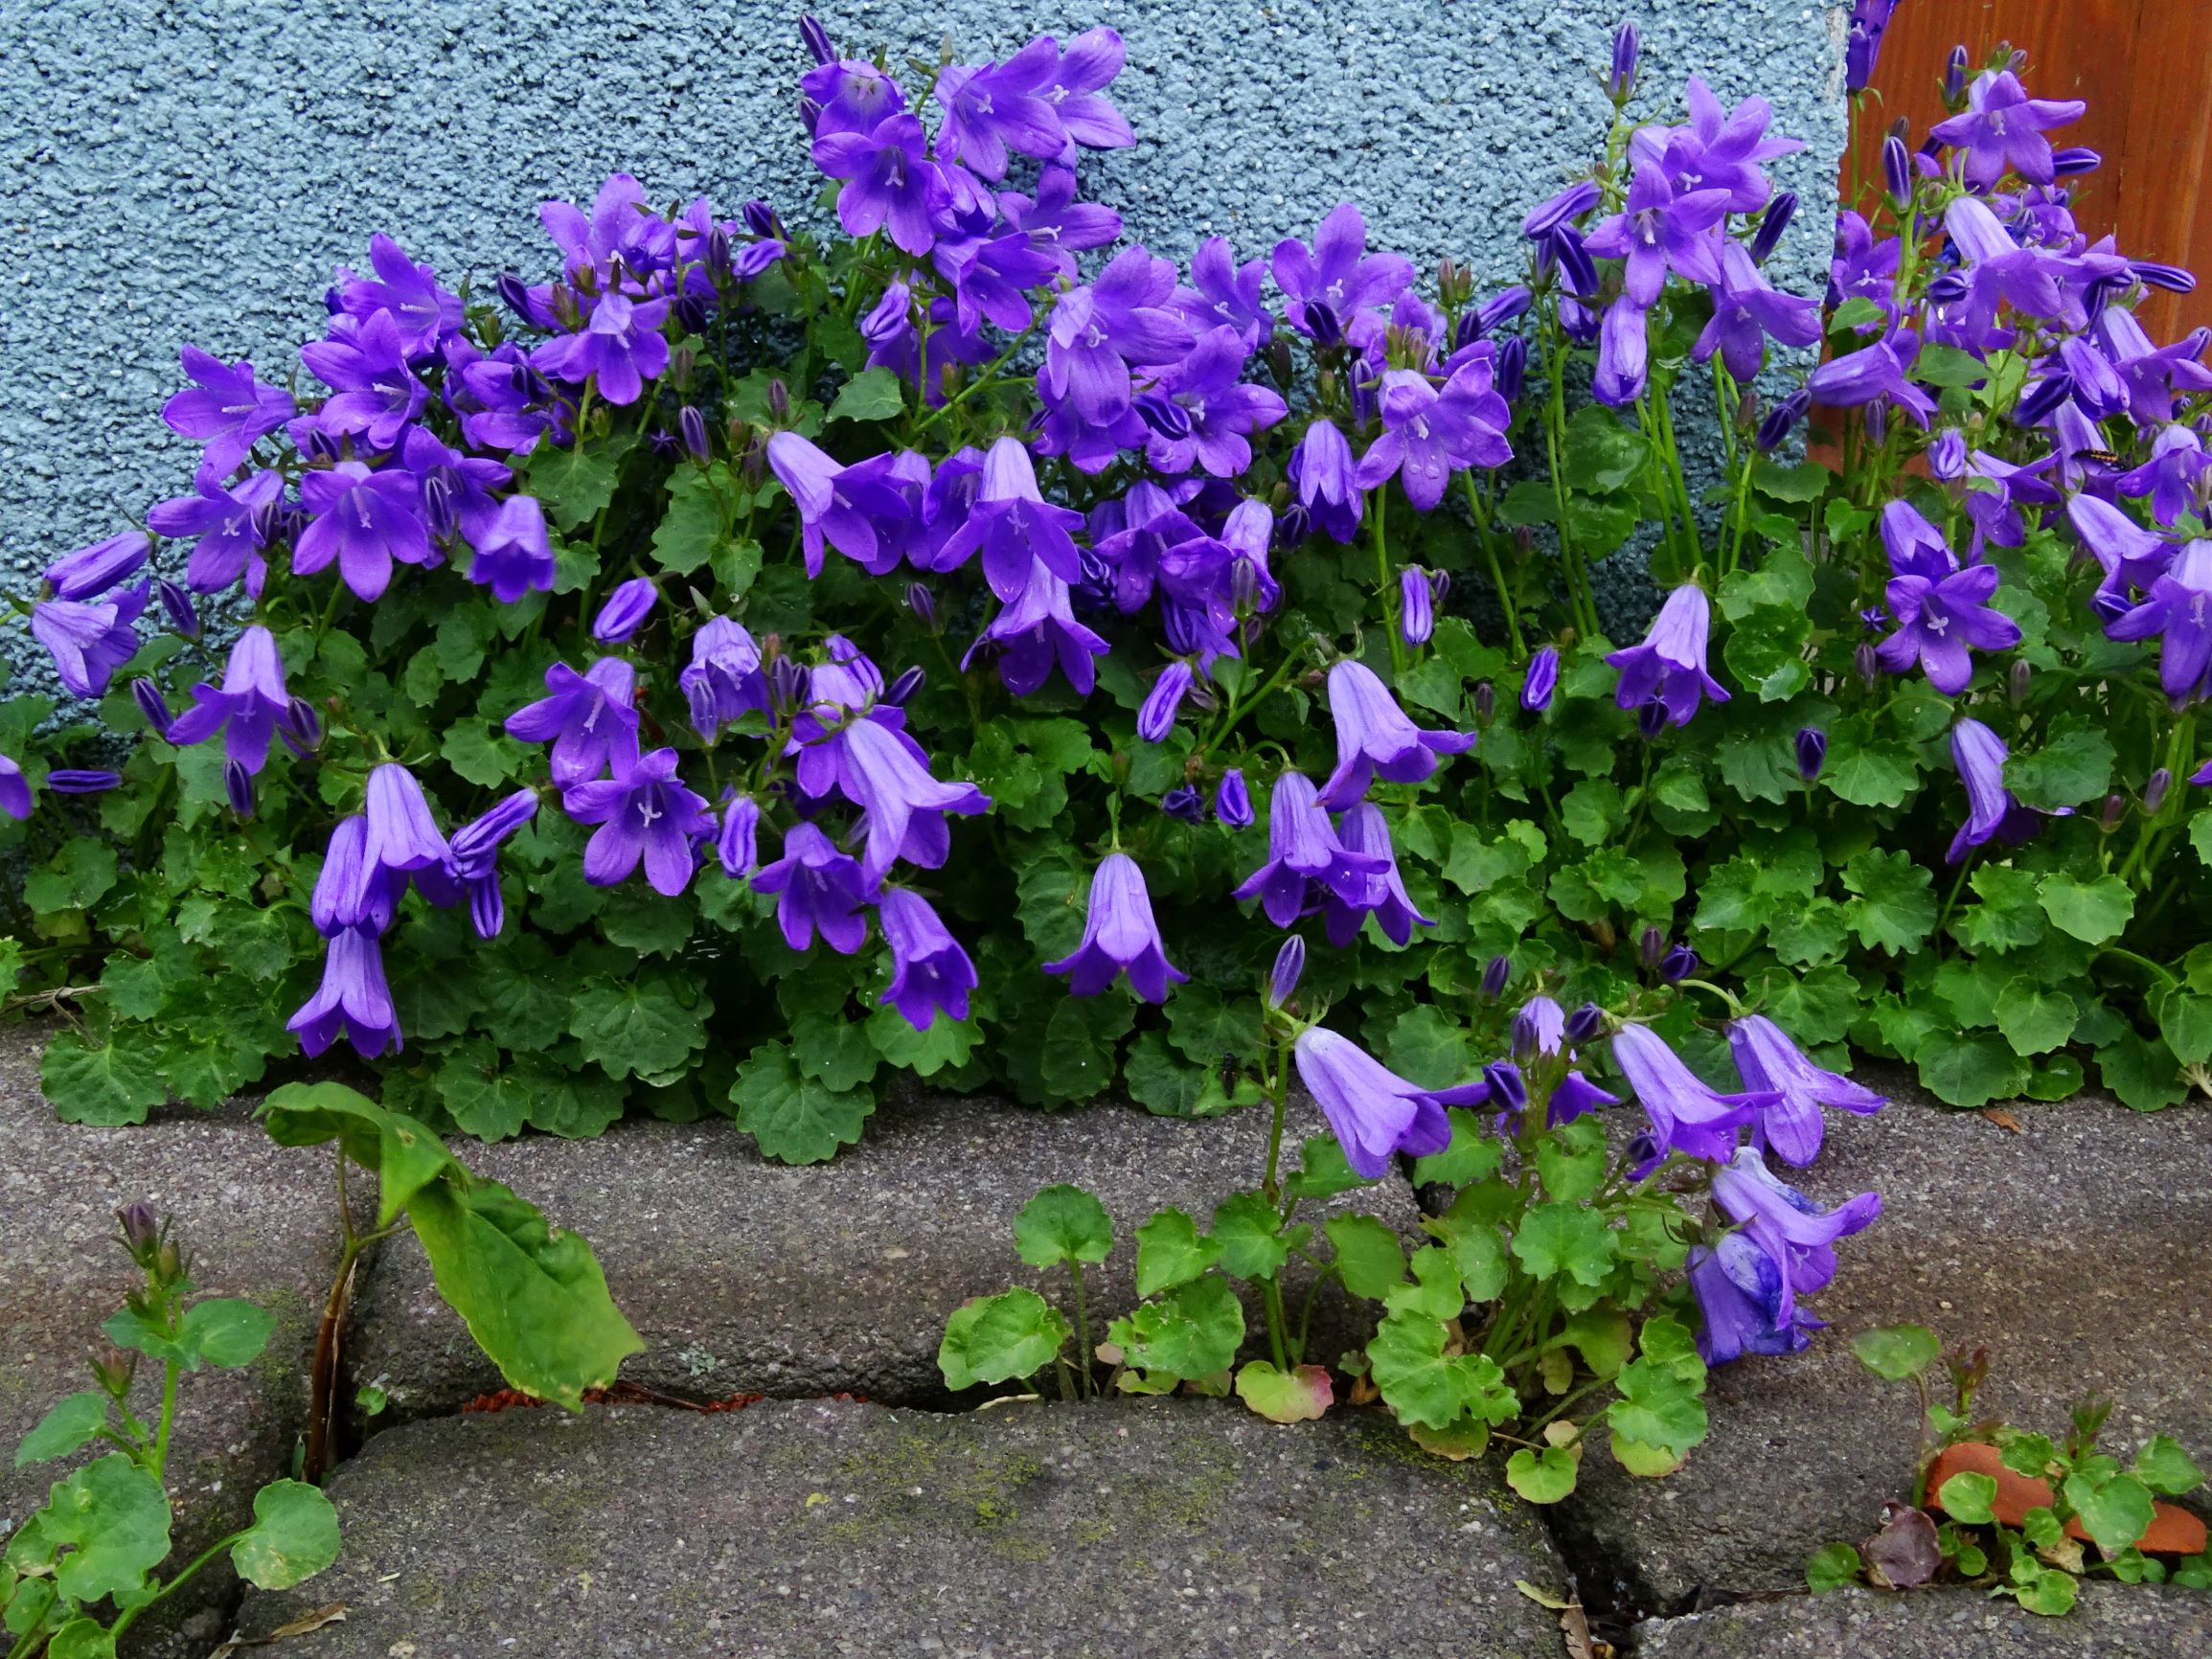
(836, 504)
(515, 556)
(225, 408)
(1555, 211)
(1087, 65)
(1686, 1114)
(1624, 354)
(91, 571)
(1376, 739)
(1667, 670)
(1224, 294)
(348, 891)
(2152, 374)
(625, 611)
(377, 392)
(1659, 231)
(1915, 546)
(1872, 374)
(2173, 478)
(1037, 630)
(15, 790)
(1233, 800)
(820, 890)
(992, 109)
(590, 720)
(1214, 406)
(850, 95)
(619, 349)
(645, 812)
(353, 1002)
(1381, 895)
(1540, 1027)
(1014, 526)
(890, 181)
(885, 773)
(738, 843)
(1303, 847)
(1740, 1290)
(929, 971)
(1060, 226)
(1321, 466)
(724, 681)
(1769, 1062)
(2002, 125)
(1979, 754)
(1416, 606)
(1795, 1232)
(1745, 312)
(364, 520)
(1939, 622)
(2178, 612)
(89, 641)
(475, 859)
(1118, 935)
(1543, 676)
(1428, 432)
(1337, 272)
(422, 312)
(1156, 718)
(227, 519)
(248, 708)
(1718, 148)
(1099, 330)
(2130, 556)
(1373, 1112)
(401, 839)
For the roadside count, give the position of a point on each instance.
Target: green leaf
(1895, 908)
(1764, 651)
(1602, 453)
(1369, 1259)
(576, 483)
(2046, 1591)
(2009, 916)
(112, 1518)
(1426, 1046)
(1210, 1028)
(1081, 1041)
(1807, 481)
(1407, 1363)
(1876, 773)
(792, 1118)
(872, 395)
(2115, 1511)
(1323, 1171)
(834, 1051)
(82, 1639)
(1661, 1405)
(2034, 1020)
(533, 1298)
(225, 1332)
(293, 1538)
(1541, 1477)
(1592, 810)
(76, 876)
(689, 530)
(1831, 1567)
(2090, 911)
(1473, 1156)
(1247, 1230)
(405, 1154)
(2073, 767)
(1967, 1497)
(645, 1026)
(1970, 1069)
(1569, 1237)
(2143, 1075)
(2186, 1021)
(1897, 1352)
(1601, 1336)
(1062, 1224)
(1016, 1333)
(1301, 1394)
(2200, 833)
(98, 1083)
(1193, 1331)
(1436, 1291)
(1478, 1256)
(2165, 1468)
(1172, 1251)
(73, 1424)
(1572, 1160)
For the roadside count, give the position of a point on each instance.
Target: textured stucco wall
(192, 171)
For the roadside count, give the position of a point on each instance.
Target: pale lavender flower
(1793, 1230)
(590, 720)
(1303, 847)
(643, 812)
(1376, 739)
(1686, 1114)
(1118, 935)
(1373, 1112)
(1668, 669)
(929, 971)
(1769, 1062)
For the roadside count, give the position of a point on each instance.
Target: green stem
(1385, 578)
(1555, 423)
(131, 1614)
(1272, 1291)
(989, 374)
(1505, 598)
(168, 1376)
(1957, 885)
(1081, 1329)
(1279, 1085)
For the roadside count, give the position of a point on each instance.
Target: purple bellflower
(590, 720)
(738, 843)
(1793, 1231)
(353, 1002)
(724, 681)
(1037, 630)
(890, 181)
(91, 571)
(15, 790)
(1769, 1062)
(1624, 354)
(226, 518)
(1668, 669)
(1087, 65)
(377, 394)
(365, 521)
(1303, 847)
(1416, 606)
(884, 773)
(1657, 231)
(1428, 433)
(1233, 800)
(929, 971)
(1383, 894)
(475, 859)
(422, 312)
(1542, 680)
(1014, 526)
(1740, 1290)
(1321, 466)
(645, 812)
(1376, 739)
(2001, 126)
(618, 350)
(401, 838)
(2130, 556)
(625, 611)
(1101, 329)
(225, 408)
(2180, 612)
(1745, 310)
(820, 890)
(1686, 1115)
(1337, 272)
(1979, 754)
(1156, 718)
(1373, 1112)
(1118, 935)
(992, 109)
(1938, 623)
(1870, 374)
(515, 556)
(89, 641)
(248, 708)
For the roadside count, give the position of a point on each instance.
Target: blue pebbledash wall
(192, 171)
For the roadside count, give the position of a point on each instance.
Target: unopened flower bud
(1782, 420)
(693, 313)
(438, 504)
(779, 402)
(514, 292)
(238, 786)
(1164, 415)
(1677, 964)
(2074, 159)
(1417, 607)
(1621, 81)
(1954, 77)
(1279, 360)
(1585, 1022)
(1543, 675)
(1184, 802)
(1508, 1088)
(786, 678)
(1511, 369)
(2155, 790)
(923, 605)
(1439, 587)
(761, 220)
(2043, 399)
(693, 427)
(816, 39)
(903, 687)
(141, 1232)
(718, 252)
(1289, 964)
(2017, 678)
(2114, 810)
(1868, 665)
(1651, 946)
(300, 725)
(151, 704)
(1243, 585)
(1233, 800)
(1812, 751)
(1496, 974)
(1485, 701)
(1771, 224)
(183, 614)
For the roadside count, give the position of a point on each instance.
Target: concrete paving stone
(747, 1276)
(800, 1529)
(258, 1221)
(2110, 1622)
(2073, 1249)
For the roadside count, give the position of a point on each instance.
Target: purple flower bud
(1496, 973)
(1244, 585)
(1946, 455)
(2016, 679)
(514, 292)
(2042, 399)
(91, 571)
(1501, 308)
(1651, 720)
(1485, 701)
(148, 696)
(140, 1233)
(1812, 751)
(718, 258)
(1868, 665)
(1467, 330)
(2172, 278)
(1321, 323)
(1290, 963)
(183, 614)
(1782, 420)
(817, 39)
(1954, 76)
(761, 218)
(779, 402)
(1897, 170)
(1233, 800)
(1543, 676)
(238, 786)
(1157, 717)
(1416, 611)
(1439, 587)
(1651, 946)
(809, 114)
(1861, 46)
(1279, 361)
(2075, 159)
(1164, 416)
(1512, 368)
(1585, 1022)
(625, 611)
(1548, 214)
(1948, 287)
(1507, 1086)
(68, 781)
(1677, 964)
(2116, 808)
(1184, 802)
(786, 680)
(693, 427)
(2155, 790)
(1771, 224)
(693, 312)
(1577, 270)
(923, 606)
(1622, 82)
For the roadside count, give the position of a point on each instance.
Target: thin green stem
(1279, 1086)
(1505, 597)
(1385, 577)
(989, 374)
(1273, 1292)
(131, 1614)
(1082, 1329)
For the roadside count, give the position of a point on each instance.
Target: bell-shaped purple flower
(1037, 629)
(1118, 935)
(1939, 622)
(820, 890)
(724, 680)
(738, 842)
(590, 720)
(402, 838)
(1373, 1112)
(1740, 1290)
(229, 521)
(1013, 526)
(1795, 1232)
(929, 971)
(377, 392)
(1429, 433)
(1668, 669)
(247, 709)
(348, 891)
(889, 181)
(91, 571)
(1540, 1027)
(2002, 126)
(1381, 895)
(353, 1002)
(1156, 718)
(1686, 1114)
(645, 812)
(475, 859)
(1979, 754)
(15, 790)
(1338, 271)
(1769, 1062)
(89, 641)
(2178, 612)
(1322, 469)
(1376, 739)
(1302, 848)
(884, 772)
(514, 554)
(625, 611)
(993, 110)
(1233, 800)
(365, 521)
(225, 408)
(1659, 231)
(1624, 354)
(1542, 680)
(619, 349)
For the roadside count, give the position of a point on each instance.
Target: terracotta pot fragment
(2174, 1530)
